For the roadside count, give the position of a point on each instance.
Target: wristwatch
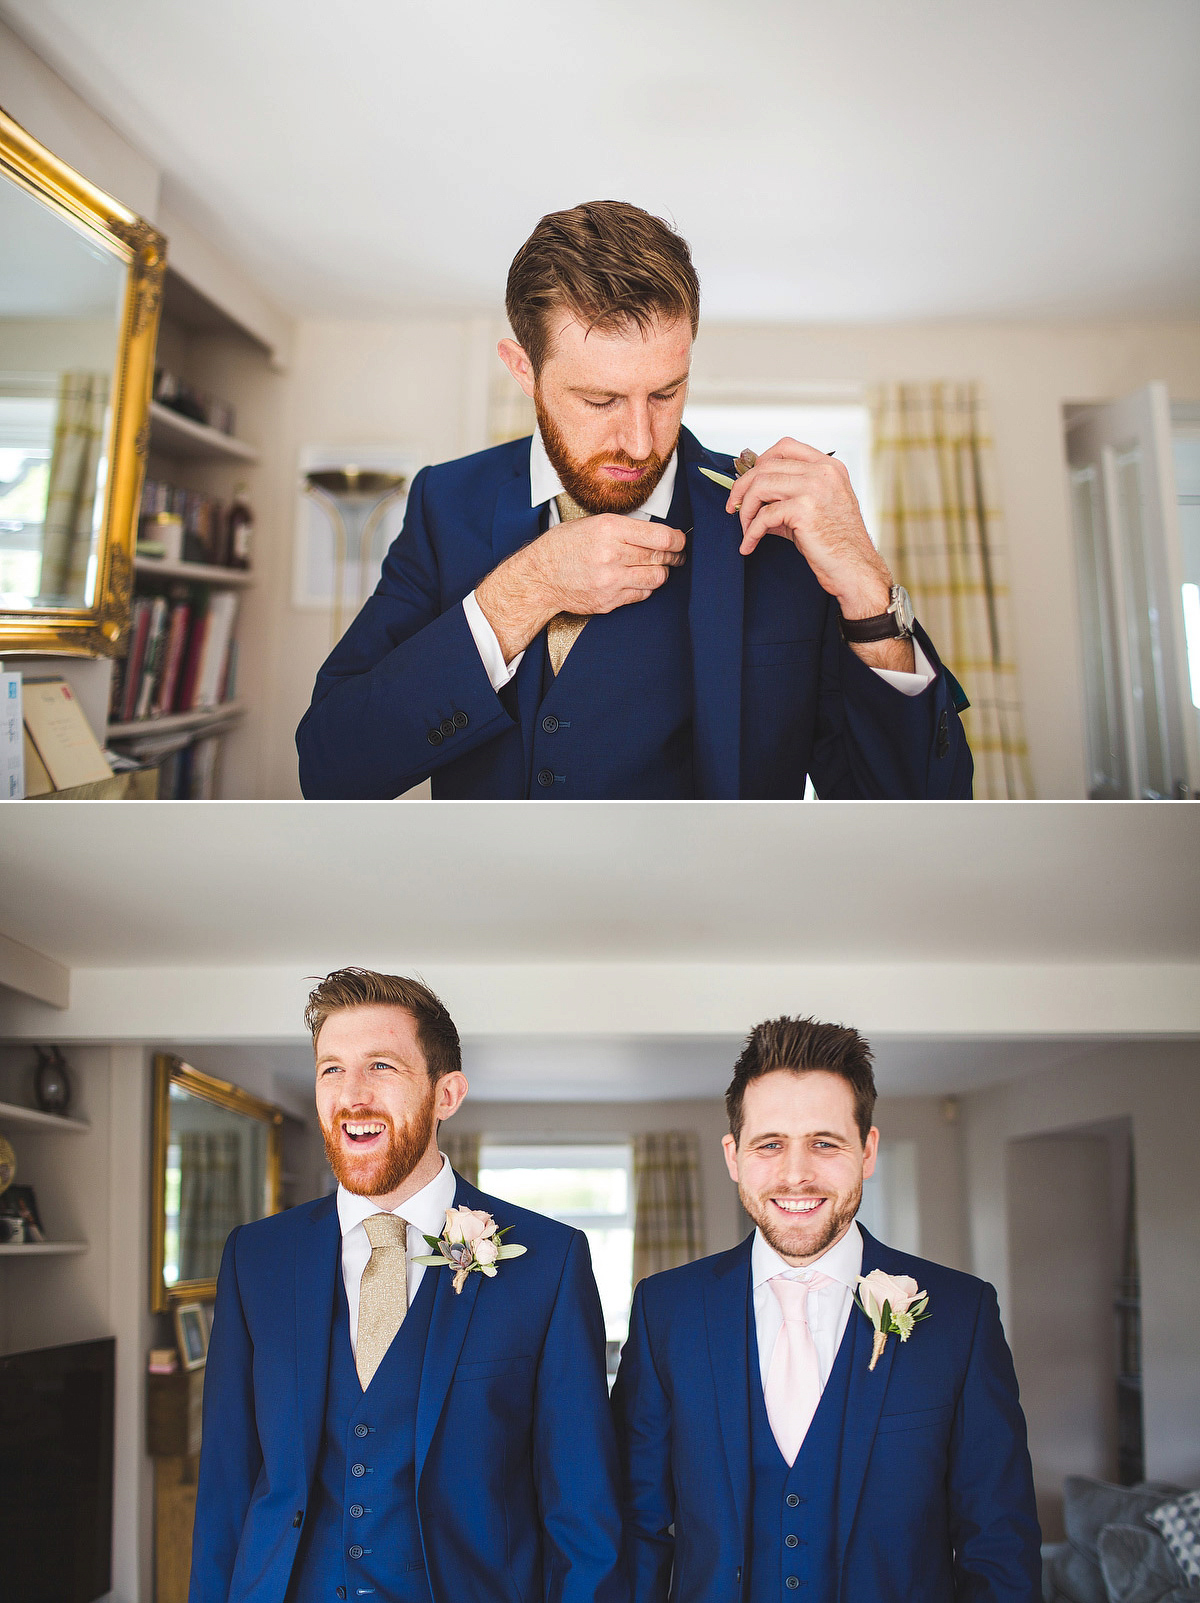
(894, 624)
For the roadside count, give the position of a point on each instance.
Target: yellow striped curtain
(668, 1229)
(71, 499)
(462, 1148)
(940, 530)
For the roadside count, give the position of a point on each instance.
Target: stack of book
(182, 656)
(207, 536)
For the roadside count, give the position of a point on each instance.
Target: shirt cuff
(490, 654)
(908, 684)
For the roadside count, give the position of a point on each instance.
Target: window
(841, 427)
(588, 1186)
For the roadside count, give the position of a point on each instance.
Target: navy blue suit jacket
(777, 692)
(934, 1485)
(515, 1459)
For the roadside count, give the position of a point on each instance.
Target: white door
(1143, 733)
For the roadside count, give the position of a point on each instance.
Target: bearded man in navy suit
(587, 614)
(376, 1426)
(775, 1446)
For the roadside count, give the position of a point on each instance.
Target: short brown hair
(362, 987)
(802, 1044)
(607, 262)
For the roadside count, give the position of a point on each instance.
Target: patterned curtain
(71, 501)
(667, 1227)
(462, 1148)
(210, 1199)
(940, 530)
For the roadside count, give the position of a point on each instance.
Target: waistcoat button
(792, 1583)
(545, 777)
(358, 1469)
(341, 1591)
(360, 1430)
(355, 1551)
(792, 1500)
(792, 1541)
(549, 723)
(356, 1511)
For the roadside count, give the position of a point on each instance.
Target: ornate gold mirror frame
(169, 1071)
(98, 630)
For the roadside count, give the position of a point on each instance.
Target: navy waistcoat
(623, 696)
(361, 1537)
(793, 1553)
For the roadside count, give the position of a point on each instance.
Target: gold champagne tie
(565, 629)
(383, 1295)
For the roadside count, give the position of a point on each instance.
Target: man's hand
(587, 566)
(798, 492)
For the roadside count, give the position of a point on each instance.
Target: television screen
(56, 1473)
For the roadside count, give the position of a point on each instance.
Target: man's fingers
(771, 517)
(653, 536)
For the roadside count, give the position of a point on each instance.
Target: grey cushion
(1069, 1576)
(1137, 1565)
(1089, 1505)
(1179, 1523)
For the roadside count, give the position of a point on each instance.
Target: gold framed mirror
(215, 1165)
(80, 291)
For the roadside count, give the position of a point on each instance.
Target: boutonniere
(742, 464)
(893, 1305)
(469, 1241)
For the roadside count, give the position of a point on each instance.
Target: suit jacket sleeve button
(461, 720)
(434, 737)
(447, 726)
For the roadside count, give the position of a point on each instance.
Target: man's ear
(729, 1147)
(870, 1152)
(516, 360)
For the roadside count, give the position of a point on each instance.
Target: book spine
(153, 658)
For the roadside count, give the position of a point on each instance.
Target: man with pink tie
(813, 1415)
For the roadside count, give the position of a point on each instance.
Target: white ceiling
(124, 886)
(857, 160)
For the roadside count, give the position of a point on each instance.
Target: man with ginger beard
(585, 613)
(376, 1425)
(813, 1413)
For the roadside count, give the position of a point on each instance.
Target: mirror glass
(217, 1177)
(61, 307)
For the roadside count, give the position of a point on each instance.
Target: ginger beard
(386, 1166)
(585, 482)
(813, 1233)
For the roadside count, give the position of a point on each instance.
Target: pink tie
(793, 1387)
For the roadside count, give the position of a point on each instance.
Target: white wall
(1156, 1087)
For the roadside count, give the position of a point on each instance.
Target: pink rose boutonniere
(470, 1241)
(893, 1305)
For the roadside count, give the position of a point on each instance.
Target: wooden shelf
(195, 572)
(34, 1119)
(172, 434)
(40, 1249)
(175, 722)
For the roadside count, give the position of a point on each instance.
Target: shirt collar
(425, 1209)
(843, 1261)
(545, 484)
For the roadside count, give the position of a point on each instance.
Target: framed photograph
(19, 1217)
(191, 1334)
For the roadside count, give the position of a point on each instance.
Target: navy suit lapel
(447, 1331)
(715, 619)
(318, 1264)
(864, 1402)
(514, 524)
(727, 1314)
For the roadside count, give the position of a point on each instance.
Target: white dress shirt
(545, 485)
(828, 1307)
(425, 1215)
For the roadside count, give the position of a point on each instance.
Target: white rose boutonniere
(893, 1305)
(469, 1241)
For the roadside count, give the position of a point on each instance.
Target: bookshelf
(13, 1116)
(29, 1121)
(200, 691)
